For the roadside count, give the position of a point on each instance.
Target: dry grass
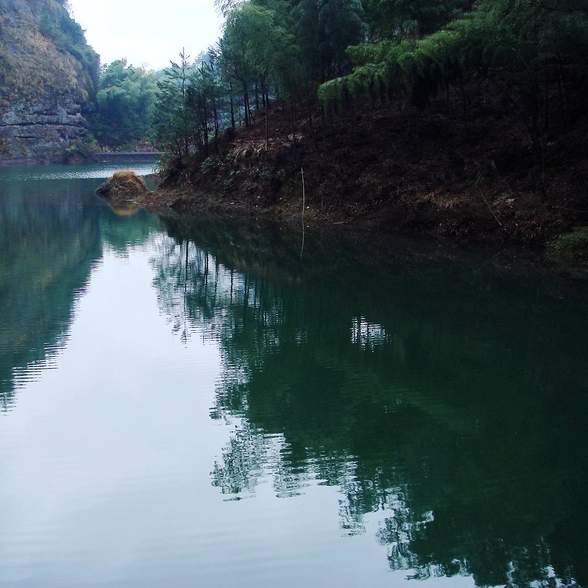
(31, 64)
(123, 184)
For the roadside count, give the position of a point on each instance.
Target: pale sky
(147, 32)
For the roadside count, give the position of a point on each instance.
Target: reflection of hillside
(48, 242)
(452, 398)
(50, 236)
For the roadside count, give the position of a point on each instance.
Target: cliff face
(47, 79)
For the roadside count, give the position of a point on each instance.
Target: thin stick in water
(303, 209)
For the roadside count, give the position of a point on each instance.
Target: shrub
(574, 244)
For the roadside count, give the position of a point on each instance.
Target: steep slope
(394, 166)
(47, 79)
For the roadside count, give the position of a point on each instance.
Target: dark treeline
(534, 51)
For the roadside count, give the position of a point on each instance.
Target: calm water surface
(189, 402)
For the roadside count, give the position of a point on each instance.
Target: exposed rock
(46, 81)
(123, 184)
(40, 132)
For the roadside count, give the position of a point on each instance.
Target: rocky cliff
(47, 79)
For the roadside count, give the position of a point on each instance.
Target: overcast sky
(147, 32)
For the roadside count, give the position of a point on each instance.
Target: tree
(402, 19)
(528, 43)
(324, 29)
(172, 120)
(257, 50)
(205, 99)
(125, 100)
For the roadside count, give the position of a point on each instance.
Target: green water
(205, 402)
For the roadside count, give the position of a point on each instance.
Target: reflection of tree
(251, 456)
(242, 463)
(451, 401)
(191, 287)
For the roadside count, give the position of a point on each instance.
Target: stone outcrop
(123, 185)
(41, 131)
(46, 81)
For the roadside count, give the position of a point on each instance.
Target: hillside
(47, 78)
(393, 166)
(460, 119)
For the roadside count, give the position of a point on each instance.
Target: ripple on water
(69, 172)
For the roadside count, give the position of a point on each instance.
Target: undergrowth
(574, 244)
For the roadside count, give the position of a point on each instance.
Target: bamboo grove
(535, 51)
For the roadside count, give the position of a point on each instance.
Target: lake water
(215, 403)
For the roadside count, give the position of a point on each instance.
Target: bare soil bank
(465, 177)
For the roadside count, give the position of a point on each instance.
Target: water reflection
(451, 398)
(52, 234)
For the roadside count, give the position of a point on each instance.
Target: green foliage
(324, 29)
(205, 98)
(256, 59)
(172, 121)
(258, 50)
(417, 68)
(125, 100)
(402, 19)
(378, 48)
(525, 41)
(340, 24)
(337, 91)
(574, 244)
(414, 67)
(81, 150)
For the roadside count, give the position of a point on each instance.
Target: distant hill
(48, 75)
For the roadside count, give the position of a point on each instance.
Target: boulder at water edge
(123, 184)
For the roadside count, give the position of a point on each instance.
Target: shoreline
(502, 254)
(466, 222)
(393, 167)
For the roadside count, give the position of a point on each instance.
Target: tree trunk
(464, 105)
(293, 116)
(267, 127)
(232, 102)
(216, 123)
(205, 125)
(309, 110)
(246, 103)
